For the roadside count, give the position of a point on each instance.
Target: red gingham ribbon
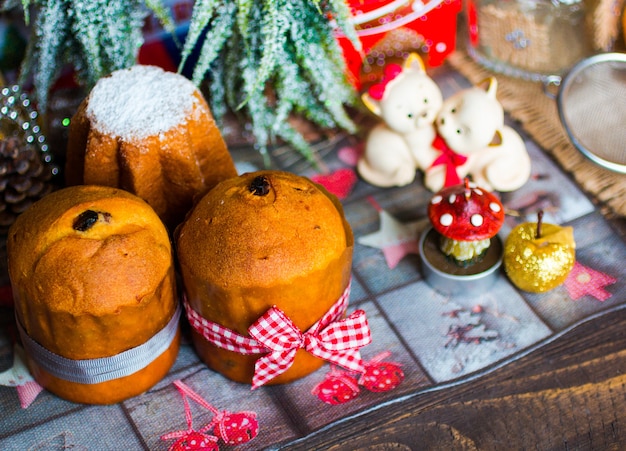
(274, 334)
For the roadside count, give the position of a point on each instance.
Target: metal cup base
(453, 284)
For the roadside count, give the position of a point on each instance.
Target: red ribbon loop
(450, 159)
(391, 71)
(338, 342)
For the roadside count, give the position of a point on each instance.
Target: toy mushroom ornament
(462, 252)
(538, 256)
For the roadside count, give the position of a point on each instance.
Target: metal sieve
(592, 107)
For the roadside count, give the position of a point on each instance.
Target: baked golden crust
(168, 160)
(93, 276)
(257, 240)
(241, 253)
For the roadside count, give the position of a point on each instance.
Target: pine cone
(23, 179)
(26, 168)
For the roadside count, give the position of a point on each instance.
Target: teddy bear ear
(371, 104)
(496, 140)
(414, 61)
(490, 85)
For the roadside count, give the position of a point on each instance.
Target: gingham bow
(274, 334)
(338, 342)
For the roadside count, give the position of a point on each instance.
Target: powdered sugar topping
(140, 101)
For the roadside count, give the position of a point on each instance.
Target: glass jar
(528, 38)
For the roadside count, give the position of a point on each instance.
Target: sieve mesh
(592, 106)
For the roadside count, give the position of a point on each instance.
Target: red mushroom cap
(466, 212)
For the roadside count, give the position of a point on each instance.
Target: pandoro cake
(263, 239)
(92, 273)
(150, 132)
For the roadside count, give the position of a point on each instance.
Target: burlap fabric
(527, 102)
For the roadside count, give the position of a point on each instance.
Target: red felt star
(583, 280)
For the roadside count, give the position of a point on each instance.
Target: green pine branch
(270, 59)
(96, 37)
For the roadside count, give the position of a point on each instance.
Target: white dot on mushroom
(445, 219)
(435, 200)
(452, 198)
(494, 207)
(476, 220)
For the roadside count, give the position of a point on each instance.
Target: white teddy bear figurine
(407, 100)
(473, 141)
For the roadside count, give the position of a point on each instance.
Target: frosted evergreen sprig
(162, 14)
(278, 58)
(273, 31)
(50, 32)
(201, 16)
(220, 31)
(96, 37)
(339, 11)
(243, 16)
(312, 51)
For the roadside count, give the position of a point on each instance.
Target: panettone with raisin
(263, 239)
(93, 280)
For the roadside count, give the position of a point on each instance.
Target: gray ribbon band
(94, 371)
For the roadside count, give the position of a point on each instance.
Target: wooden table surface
(570, 394)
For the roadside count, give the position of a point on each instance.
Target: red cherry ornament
(232, 428)
(195, 441)
(338, 387)
(381, 376)
(236, 428)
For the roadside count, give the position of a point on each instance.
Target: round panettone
(92, 273)
(150, 132)
(260, 240)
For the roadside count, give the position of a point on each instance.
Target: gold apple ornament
(538, 257)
